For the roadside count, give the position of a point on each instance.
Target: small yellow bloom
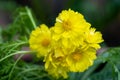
(70, 27)
(80, 60)
(40, 40)
(56, 65)
(92, 38)
(57, 72)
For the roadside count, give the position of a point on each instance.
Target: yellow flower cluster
(69, 46)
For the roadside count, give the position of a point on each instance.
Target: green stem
(30, 16)
(14, 66)
(25, 71)
(18, 52)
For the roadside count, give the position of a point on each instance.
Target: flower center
(76, 56)
(66, 25)
(45, 42)
(59, 58)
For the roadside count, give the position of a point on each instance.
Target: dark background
(102, 14)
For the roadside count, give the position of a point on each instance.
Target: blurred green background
(102, 14)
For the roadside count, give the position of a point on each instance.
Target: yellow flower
(69, 28)
(56, 65)
(57, 72)
(40, 40)
(92, 38)
(79, 60)
(70, 45)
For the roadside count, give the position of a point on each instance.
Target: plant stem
(14, 66)
(18, 52)
(30, 16)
